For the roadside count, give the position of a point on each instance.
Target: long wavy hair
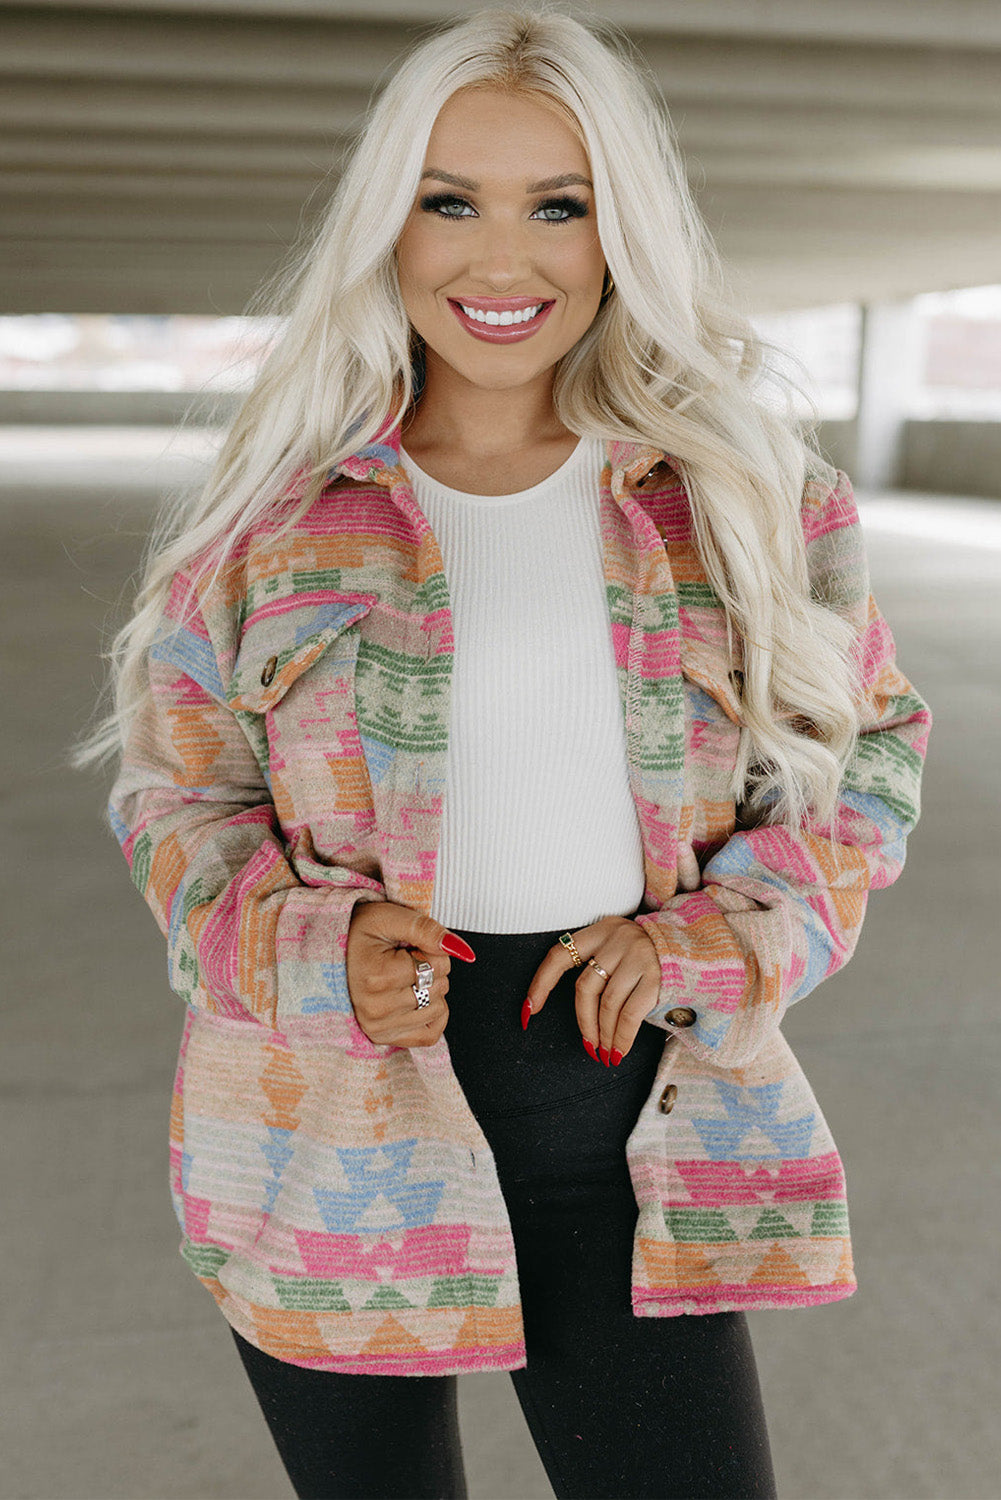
(668, 360)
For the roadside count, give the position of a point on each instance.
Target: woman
(509, 737)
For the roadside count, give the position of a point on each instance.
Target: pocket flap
(709, 668)
(282, 639)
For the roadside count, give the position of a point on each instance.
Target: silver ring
(425, 979)
(597, 968)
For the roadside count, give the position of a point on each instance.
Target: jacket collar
(377, 459)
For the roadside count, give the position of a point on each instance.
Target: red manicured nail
(589, 1048)
(526, 1014)
(616, 1057)
(604, 1054)
(457, 947)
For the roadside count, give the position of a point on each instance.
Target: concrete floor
(120, 1378)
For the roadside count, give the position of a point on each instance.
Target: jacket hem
(464, 1361)
(739, 1299)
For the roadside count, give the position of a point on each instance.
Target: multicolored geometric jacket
(339, 1198)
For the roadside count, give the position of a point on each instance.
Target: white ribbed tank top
(539, 829)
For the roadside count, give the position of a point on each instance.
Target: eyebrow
(566, 179)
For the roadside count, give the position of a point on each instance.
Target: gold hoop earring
(608, 287)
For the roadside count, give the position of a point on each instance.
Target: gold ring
(566, 939)
(598, 969)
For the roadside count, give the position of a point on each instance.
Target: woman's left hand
(610, 1011)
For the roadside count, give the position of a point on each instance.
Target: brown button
(681, 1015)
(270, 668)
(667, 1098)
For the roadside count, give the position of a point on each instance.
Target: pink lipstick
(508, 324)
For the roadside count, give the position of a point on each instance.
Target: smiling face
(499, 261)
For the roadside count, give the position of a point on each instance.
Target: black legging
(617, 1406)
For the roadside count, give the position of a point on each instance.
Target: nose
(500, 258)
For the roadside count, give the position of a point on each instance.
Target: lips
(501, 333)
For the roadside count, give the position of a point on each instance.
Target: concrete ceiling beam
(268, 54)
(195, 49)
(189, 223)
(892, 22)
(182, 110)
(122, 152)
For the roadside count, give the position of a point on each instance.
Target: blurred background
(157, 158)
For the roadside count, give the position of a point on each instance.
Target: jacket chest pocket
(293, 686)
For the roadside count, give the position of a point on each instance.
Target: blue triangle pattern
(276, 1149)
(277, 1154)
(333, 993)
(369, 1176)
(750, 1109)
(378, 757)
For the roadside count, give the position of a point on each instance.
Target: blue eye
(553, 211)
(436, 203)
(569, 208)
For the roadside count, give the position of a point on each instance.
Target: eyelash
(573, 207)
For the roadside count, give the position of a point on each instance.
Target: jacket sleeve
(249, 936)
(778, 909)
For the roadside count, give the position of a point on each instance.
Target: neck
(455, 415)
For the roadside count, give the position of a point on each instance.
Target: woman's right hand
(386, 942)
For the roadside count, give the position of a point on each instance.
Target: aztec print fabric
(338, 1198)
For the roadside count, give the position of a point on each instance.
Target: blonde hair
(667, 361)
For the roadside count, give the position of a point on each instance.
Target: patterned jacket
(339, 1198)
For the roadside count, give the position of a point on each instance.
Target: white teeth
(523, 315)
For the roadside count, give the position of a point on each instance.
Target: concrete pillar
(891, 358)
